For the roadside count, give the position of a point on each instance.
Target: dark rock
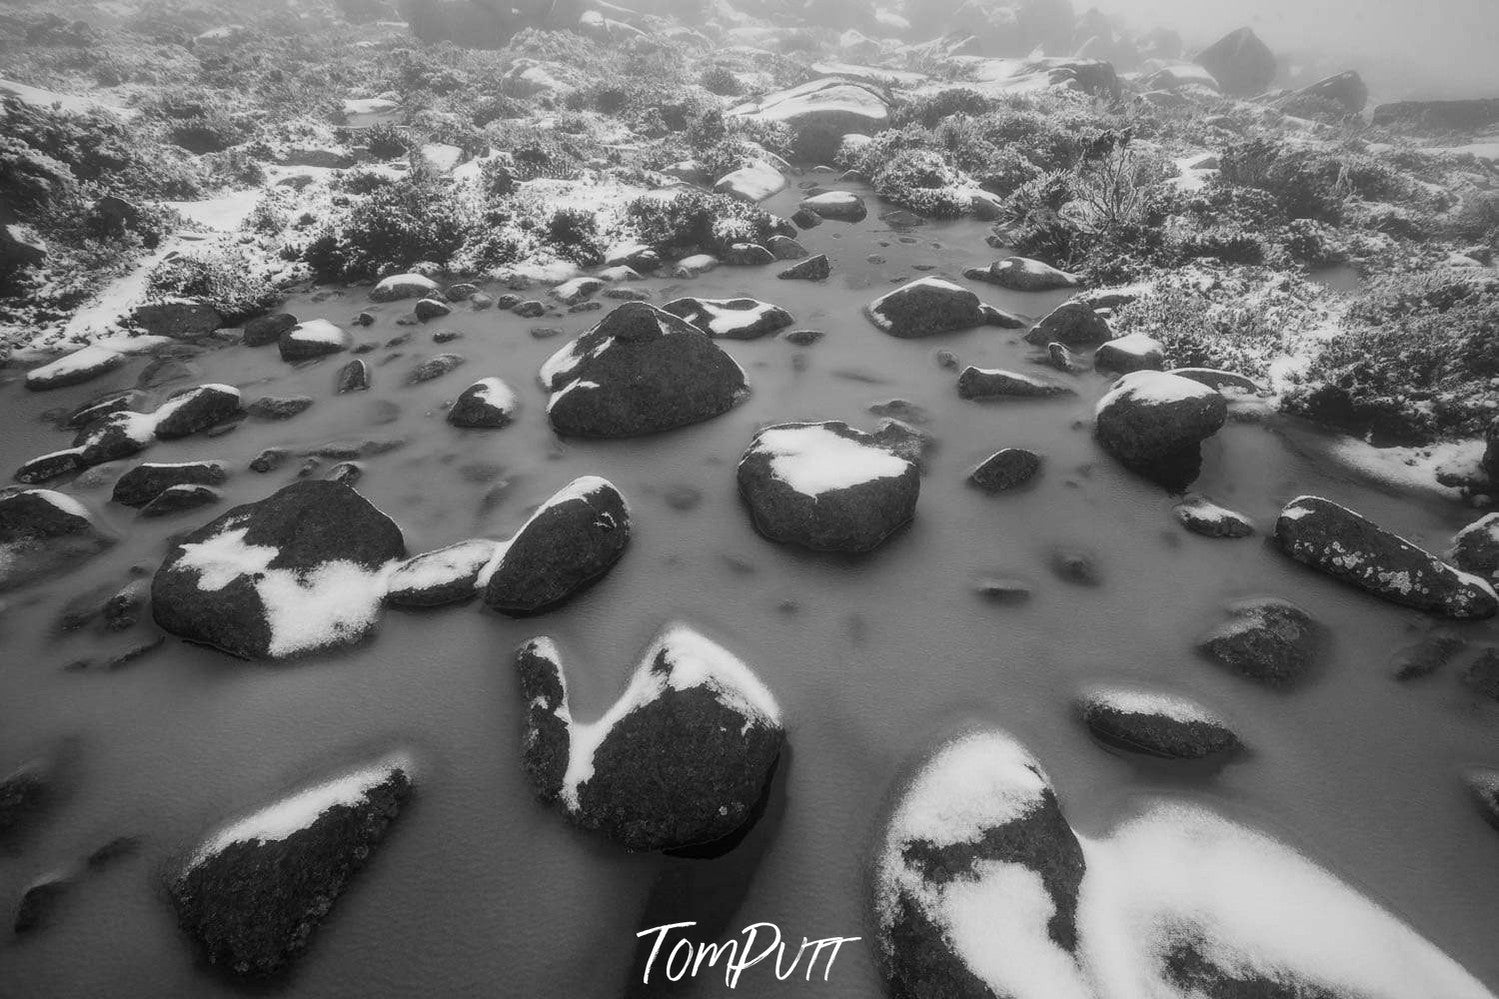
(145, 482)
(1426, 656)
(1272, 641)
(1135, 352)
(24, 794)
(902, 409)
(248, 582)
(1162, 725)
(104, 406)
(1005, 592)
(730, 318)
(572, 540)
(906, 441)
(431, 308)
(435, 367)
(346, 472)
(805, 218)
(178, 320)
(353, 377)
(1006, 469)
(440, 577)
(118, 435)
(279, 408)
(1154, 423)
(269, 460)
(488, 403)
(1483, 785)
(748, 255)
(1075, 324)
(811, 269)
(640, 371)
(1022, 274)
(40, 901)
(686, 761)
(785, 248)
(1202, 516)
(1076, 566)
(267, 329)
(178, 499)
(42, 514)
(1482, 675)
(925, 307)
(446, 336)
(1475, 548)
(1346, 546)
(461, 292)
(1059, 357)
(1242, 64)
(312, 339)
(826, 486)
(1347, 90)
(803, 338)
(530, 310)
(985, 383)
(49, 466)
(196, 409)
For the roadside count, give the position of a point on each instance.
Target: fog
(1432, 48)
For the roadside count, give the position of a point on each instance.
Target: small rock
(1270, 640)
(353, 377)
(434, 367)
(269, 460)
(145, 482)
(1005, 469)
(1156, 724)
(488, 403)
(1074, 323)
(313, 339)
(985, 383)
(811, 269)
(1201, 515)
(267, 329)
(279, 408)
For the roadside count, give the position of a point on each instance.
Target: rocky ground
(1219, 240)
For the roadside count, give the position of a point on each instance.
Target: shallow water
(481, 891)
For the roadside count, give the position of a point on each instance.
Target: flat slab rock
(1156, 724)
(1334, 540)
(683, 759)
(252, 895)
(826, 486)
(731, 318)
(640, 371)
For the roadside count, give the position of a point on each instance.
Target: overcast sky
(1450, 41)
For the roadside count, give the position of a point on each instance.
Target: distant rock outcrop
(1241, 63)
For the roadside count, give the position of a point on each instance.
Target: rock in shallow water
(1155, 423)
(573, 539)
(252, 895)
(1024, 274)
(1005, 469)
(826, 486)
(1156, 724)
(440, 577)
(683, 759)
(1475, 548)
(1201, 515)
(731, 318)
(925, 307)
(994, 383)
(312, 339)
(299, 571)
(146, 481)
(488, 403)
(1269, 640)
(1335, 540)
(1075, 324)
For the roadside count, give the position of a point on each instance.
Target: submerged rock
(683, 760)
(24, 793)
(1270, 640)
(640, 371)
(1482, 675)
(1156, 724)
(572, 540)
(299, 571)
(1201, 515)
(1336, 541)
(39, 901)
(826, 486)
(252, 895)
(1005, 469)
(488, 403)
(146, 481)
(435, 367)
(1154, 423)
(925, 307)
(267, 329)
(279, 407)
(993, 383)
(730, 318)
(1426, 656)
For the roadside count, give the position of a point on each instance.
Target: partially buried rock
(572, 540)
(1218, 381)
(267, 329)
(682, 761)
(279, 407)
(640, 371)
(1134, 352)
(731, 318)
(440, 577)
(826, 486)
(488, 403)
(179, 499)
(843, 206)
(82, 365)
(1201, 515)
(811, 269)
(1074, 323)
(1270, 640)
(24, 794)
(1023, 274)
(1475, 548)
(1156, 724)
(1425, 657)
(146, 481)
(299, 571)
(312, 339)
(993, 383)
(195, 409)
(1155, 423)
(353, 377)
(1005, 469)
(434, 367)
(251, 896)
(1336, 541)
(925, 307)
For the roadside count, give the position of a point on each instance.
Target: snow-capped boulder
(314, 338)
(572, 540)
(681, 761)
(841, 206)
(639, 371)
(1335, 540)
(180, 499)
(578, 289)
(694, 265)
(826, 486)
(927, 306)
(195, 409)
(145, 482)
(251, 895)
(399, 286)
(45, 467)
(1218, 381)
(42, 530)
(996, 383)
(299, 571)
(1132, 352)
(434, 367)
(1475, 548)
(487, 403)
(1242, 64)
(1156, 724)
(820, 113)
(1005, 469)
(1154, 423)
(82, 365)
(178, 320)
(355, 376)
(444, 576)
(753, 183)
(1075, 323)
(427, 309)
(1201, 515)
(1024, 274)
(731, 318)
(1270, 640)
(119, 435)
(1347, 90)
(811, 269)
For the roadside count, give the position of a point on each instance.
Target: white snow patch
(974, 783)
(1155, 388)
(445, 565)
(316, 331)
(1134, 701)
(813, 459)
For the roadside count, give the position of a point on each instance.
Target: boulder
(753, 183)
(579, 289)
(1475, 548)
(180, 499)
(300, 571)
(311, 339)
(639, 371)
(1269, 640)
(43, 531)
(1482, 675)
(118, 435)
(267, 329)
(571, 541)
(195, 409)
(145, 482)
(1201, 515)
(820, 113)
(488, 403)
(1154, 423)
(1005, 469)
(925, 307)
(1063, 359)
(994, 383)
(1347, 90)
(1242, 64)
(694, 265)
(399, 286)
(1133, 352)
(1336, 541)
(1075, 324)
(841, 206)
(811, 269)
(46, 467)
(444, 576)
(252, 895)
(682, 761)
(826, 486)
(82, 365)
(1024, 274)
(1156, 724)
(731, 318)
(24, 794)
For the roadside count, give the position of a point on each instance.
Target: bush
(385, 141)
(695, 222)
(409, 221)
(1299, 184)
(219, 278)
(921, 180)
(721, 80)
